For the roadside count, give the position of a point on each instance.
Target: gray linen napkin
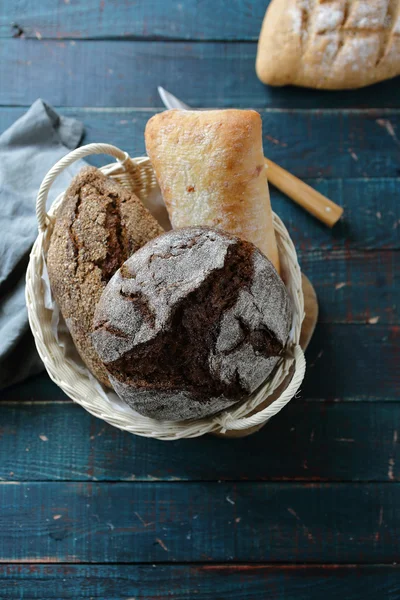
(28, 149)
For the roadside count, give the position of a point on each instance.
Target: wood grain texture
(208, 522)
(316, 441)
(372, 210)
(36, 389)
(355, 287)
(203, 582)
(371, 217)
(307, 197)
(113, 73)
(349, 362)
(356, 145)
(321, 482)
(167, 19)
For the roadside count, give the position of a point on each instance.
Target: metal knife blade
(171, 101)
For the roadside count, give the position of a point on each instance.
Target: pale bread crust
(211, 171)
(329, 44)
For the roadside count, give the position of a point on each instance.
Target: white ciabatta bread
(211, 171)
(329, 44)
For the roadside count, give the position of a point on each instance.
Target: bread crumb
(353, 155)
(373, 320)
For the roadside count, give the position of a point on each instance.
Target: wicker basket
(71, 375)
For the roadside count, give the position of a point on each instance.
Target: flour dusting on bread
(192, 323)
(332, 44)
(211, 171)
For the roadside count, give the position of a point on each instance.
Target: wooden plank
(204, 582)
(371, 217)
(372, 210)
(355, 287)
(208, 522)
(168, 19)
(38, 388)
(345, 362)
(45, 442)
(118, 73)
(356, 143)
(349, 362)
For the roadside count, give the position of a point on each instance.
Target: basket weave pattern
(137, 175)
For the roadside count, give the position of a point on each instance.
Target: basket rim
(86, 392)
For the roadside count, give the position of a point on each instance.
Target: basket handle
(227, 422)
(67, 160)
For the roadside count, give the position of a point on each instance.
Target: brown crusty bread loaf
(329, 44)
(211, 170)
(98, 226)
(191, 323)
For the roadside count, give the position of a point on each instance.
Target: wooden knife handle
(312, 201)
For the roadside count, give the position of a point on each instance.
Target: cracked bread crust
(99, 224)
(191, 324)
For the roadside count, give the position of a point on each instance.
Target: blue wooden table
(309, 507)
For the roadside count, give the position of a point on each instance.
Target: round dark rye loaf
(99, 224)
(192, 323)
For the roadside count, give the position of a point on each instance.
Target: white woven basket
(78, 383)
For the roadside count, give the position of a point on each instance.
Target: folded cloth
(28, 149)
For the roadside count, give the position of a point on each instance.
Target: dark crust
(117, 244)
(98, 226)
(183, 347)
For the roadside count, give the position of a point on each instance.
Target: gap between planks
(304, 483)
(136, 38)
(156, 109)
(214, 566)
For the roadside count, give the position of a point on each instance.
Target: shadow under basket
(71, 375)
